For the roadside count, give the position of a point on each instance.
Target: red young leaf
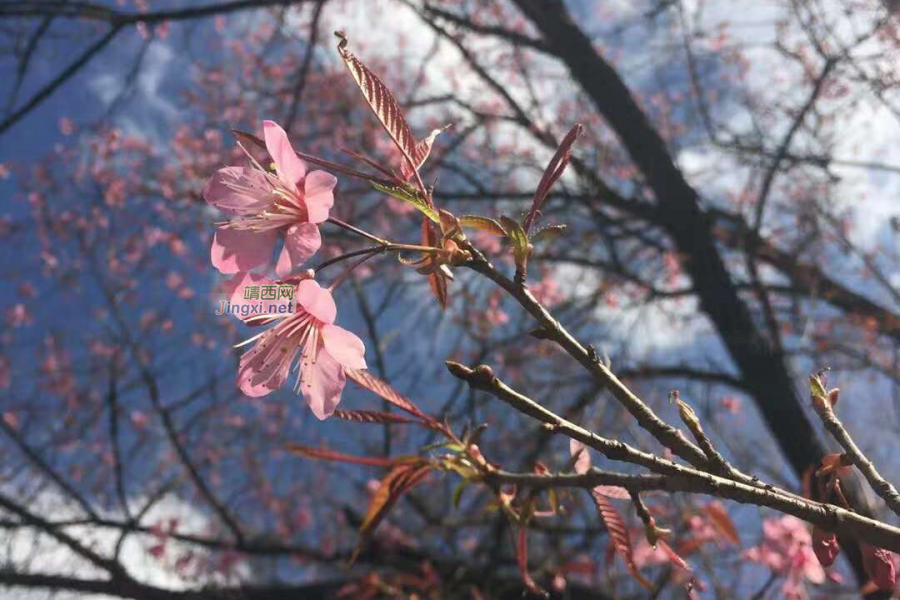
(721, 522)
(371, 416)
(522, 560)
(397, 482)
(825, 546)
(554, 171)
(679, 562)
(618, 533)
(326, 454)
(673, 556)
(420, 153)
(436, 281)
(613, 491)
(382, 103)
(382, 389)
(879, 564)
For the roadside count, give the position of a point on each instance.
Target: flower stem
(357, 231)
(347, 255)
(343, 276)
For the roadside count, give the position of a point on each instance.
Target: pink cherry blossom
(233, 292)
(263, 205)
(787, 550)
(306, 340)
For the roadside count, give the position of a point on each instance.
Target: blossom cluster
(285, 201)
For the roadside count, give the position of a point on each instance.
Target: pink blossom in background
(18, 315)
(264, 205)
(547, 292)
(10, 419)
(786, 549)
(66, 126)
(139, 419)
(308, 337)
(732, 404)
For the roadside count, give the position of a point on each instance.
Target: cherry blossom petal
(318, 192)
(237, 190)
(301, 241)
(344, 346)
(263, 371)
(316, 300)
(322, 383)
(235, 250)
(233, 291)
(289, 166)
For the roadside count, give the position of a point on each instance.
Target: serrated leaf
(721, 522)
(612, 491)
(410, 197)
(397, 482)
(486, 224)
(331, 455)
(618, 533)
(371, 416)
(548, 233)
(382, 103)
(554, 171)
(384, 390)
(674, 557)
(421, 152)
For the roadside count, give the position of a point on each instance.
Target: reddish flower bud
(879, 564)
(825, 546)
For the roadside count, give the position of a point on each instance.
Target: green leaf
(485, 224)
(450, 446)
(410, 197)
(554, 501)
(458, 492)
(521, 247)
(548, 233)
(815, 386)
